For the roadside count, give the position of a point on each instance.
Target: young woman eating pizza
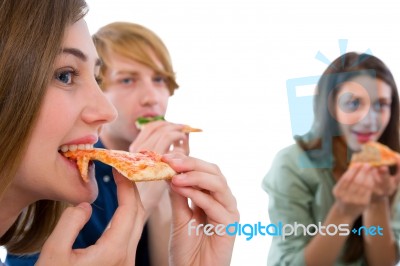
(310, 183)
(50, 99)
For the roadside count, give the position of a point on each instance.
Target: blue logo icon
(301, 104)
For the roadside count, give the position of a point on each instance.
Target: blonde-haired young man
(138, 78)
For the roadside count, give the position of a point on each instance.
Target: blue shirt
(103, 209)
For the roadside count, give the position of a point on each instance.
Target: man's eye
(99, 81)
(159, 79)
(126, 81)
(65, 77)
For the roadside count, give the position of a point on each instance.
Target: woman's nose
(371, 120)
(99, 109)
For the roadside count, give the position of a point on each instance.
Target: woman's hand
(117, 245)
(353, 191)
(385, 184)
(212, 204)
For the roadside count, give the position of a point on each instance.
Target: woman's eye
(65, 77)
(351, 105)
(378, 106)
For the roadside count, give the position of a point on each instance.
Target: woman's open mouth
(73, 162)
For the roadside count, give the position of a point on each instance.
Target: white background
(232, 59)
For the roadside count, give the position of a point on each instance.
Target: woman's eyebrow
(75, 52)
(79, 54)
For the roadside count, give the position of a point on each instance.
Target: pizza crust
(159, 171)
(189, 129)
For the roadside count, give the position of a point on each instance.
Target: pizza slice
(141, 121)
(376, 154)
(141, 166)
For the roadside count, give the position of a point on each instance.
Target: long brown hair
(31, 34)
(132, 41)
(323, 144)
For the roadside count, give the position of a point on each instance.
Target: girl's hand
(212, 204)
(385, 185)
(353, 191)
(117, 245)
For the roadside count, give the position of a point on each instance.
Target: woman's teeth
(74, 147)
